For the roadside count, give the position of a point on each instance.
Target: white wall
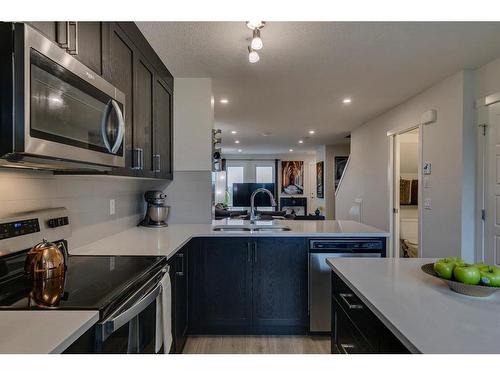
(443, 146)
(190, 194)
(193, 123)
(85, 197)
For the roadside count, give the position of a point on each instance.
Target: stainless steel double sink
(250, 228)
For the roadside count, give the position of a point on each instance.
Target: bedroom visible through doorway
(406, 231)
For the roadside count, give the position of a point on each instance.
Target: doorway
(488, 203)
(405, 181)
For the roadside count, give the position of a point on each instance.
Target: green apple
(482, 266)
(457, 260)
(490, 276)
(444, 268)
(467, 274)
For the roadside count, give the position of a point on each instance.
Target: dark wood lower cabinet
(279, 287)
(356, 330)
(248, 286)
(179, 284)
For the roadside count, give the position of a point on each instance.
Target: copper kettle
(45, 261)
(45, 266)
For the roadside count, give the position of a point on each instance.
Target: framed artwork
(340, 163)
(320, 178)
(292, 177)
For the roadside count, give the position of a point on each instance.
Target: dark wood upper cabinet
(91, 38)
(143, 121)
(118, 68)
(121, 54)
(163, 124)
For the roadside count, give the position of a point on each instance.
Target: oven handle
(112, 104)
(113, 323)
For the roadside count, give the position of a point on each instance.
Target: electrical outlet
(112, 210)
(428, 203)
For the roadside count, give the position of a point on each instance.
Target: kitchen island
(419, 310)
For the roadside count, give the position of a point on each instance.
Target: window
(234, 176)
(264, 175)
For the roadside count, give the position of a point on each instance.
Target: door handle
(157, 161)
(351, 306)
(255, 252)
(180, 273)
(113, 105)
(72, 50)
(137, 158)
(62, 43)
(249, 252)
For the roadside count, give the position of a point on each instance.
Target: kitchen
(107, 229)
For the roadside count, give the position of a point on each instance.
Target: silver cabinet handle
(180, 273)
(347, 347)
(137, 154)
(62, 43)
(157, 162)
(345, 296)
(72, 51)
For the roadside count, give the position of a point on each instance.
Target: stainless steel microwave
(55, 112)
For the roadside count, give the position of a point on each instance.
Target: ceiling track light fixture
(255, 25)
(256, 44)
(253, 56)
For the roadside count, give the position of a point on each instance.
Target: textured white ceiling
(306, 69)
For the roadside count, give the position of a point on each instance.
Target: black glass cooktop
(90, 282)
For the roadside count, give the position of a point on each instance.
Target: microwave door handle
(104, 121)
(121, 127)
(114, 323)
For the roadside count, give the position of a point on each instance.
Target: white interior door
(492, 214)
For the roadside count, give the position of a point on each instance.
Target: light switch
(427, 182)
(428, 203)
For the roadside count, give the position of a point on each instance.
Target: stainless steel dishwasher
(320, 294)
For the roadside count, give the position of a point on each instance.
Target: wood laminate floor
(257, 345)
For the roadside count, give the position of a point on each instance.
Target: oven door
(70, 112)
(131, 328)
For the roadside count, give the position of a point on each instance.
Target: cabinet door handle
(157, 162)
(346, 348)
(255, 252)
(63, 43)
(137, 158)
(74, 50)
(181, 272)
(352, 306)
(249, 253)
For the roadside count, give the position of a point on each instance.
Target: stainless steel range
(123, 289)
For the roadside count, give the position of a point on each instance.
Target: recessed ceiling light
(233, 132)
(301, 141)
(236, 141)
(239, 150)
(266, 134)
(311, 132)
(347, 100)
(291, 150)
(224, 101)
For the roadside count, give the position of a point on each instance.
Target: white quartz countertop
(42, 332)
(166, 241)
(421, 310)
